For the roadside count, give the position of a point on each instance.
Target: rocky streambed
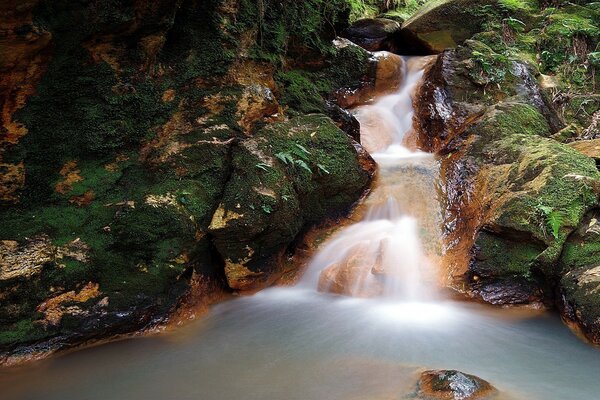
(160, 154)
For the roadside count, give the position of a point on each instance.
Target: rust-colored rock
(25, 51)
(356, 275)
(453, 385)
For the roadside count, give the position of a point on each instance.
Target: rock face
(373, 34)
(514, 196)
(149, 152)
(453, 385)
(442, 24)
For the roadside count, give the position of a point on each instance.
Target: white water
(383, 255)
(296, 343)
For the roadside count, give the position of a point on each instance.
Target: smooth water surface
(288, 343)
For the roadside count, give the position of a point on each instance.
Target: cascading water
(295, 344)
(383, 255)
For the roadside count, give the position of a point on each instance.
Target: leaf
(285, 157)
(303, 165)
(302, 148)
(263, 166)
(322, 168)
(545, 209)
(555, 220)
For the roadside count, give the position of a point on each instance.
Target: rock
(287, 176)
(385, 73)
(373, 34)
(590, 148)
(579, 263)
(514, 195)
(257, 103)
(358, 275)
(25, 50)
(344, 120)
(442, 24)
(126, 143)
(453, 385)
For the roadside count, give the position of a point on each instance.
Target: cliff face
(154, 148)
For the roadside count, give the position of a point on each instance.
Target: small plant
(554, 219)
(297, 156)
(263, 166)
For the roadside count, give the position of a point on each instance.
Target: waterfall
(391, 252)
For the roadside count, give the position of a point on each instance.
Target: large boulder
(128, 133)
(442, 24)
(514, 195)
(286, 176)
(373, 34)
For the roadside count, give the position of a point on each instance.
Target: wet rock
(453, 385)
(514, 195)
(443, 24)
(344, 120)
(384, 75)
(373, 34)
(357, 275)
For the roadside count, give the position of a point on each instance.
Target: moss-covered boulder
(580, 282)
(288, 175)
(442, 24)
(514, 195)
(130, 129)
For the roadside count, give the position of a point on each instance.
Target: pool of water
(289, 343)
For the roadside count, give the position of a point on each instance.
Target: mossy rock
(538, 191)
(287, 176)
(442, 24)
(580, 267)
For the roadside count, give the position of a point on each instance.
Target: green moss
(26, 330)
(299, 91)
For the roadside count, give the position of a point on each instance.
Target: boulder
(514, 195)
(373, 34)
(287, 176)
(359, 274)
(384, 75)
(442, 24)
(453, 385)
(579, 263)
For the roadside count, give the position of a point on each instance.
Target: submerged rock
(453, 385)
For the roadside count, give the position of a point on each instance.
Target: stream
(309, 342)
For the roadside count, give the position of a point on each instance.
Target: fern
(555, 221)
(302, 164)
(285, 157)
